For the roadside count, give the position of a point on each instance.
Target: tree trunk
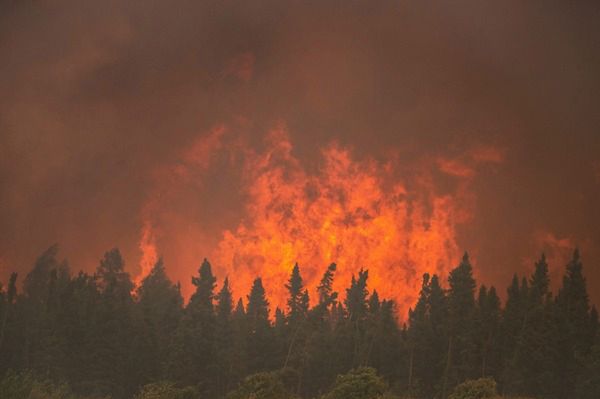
(447, 370)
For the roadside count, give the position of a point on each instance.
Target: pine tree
(588, 382)
(511, 327)
(192, 351)
(8, 301)
(325, 288)
(419, 339)
(79, 317)
(461, 311)
(260, 342)
(295, 333)
(240, 362)
(159, 308)
(113, 328)
(427, 338)
(487, 324)
(574, 327)
(355, 326)
(224, 339)
(534, 349)
(319, 371)
(297, 306)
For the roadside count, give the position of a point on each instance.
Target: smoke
(111, 112)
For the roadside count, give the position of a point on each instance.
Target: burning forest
(293, 200)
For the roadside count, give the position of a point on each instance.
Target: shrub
(24, 386)
(475, 389)
(261, 386)
(166, 390)
(362, 383)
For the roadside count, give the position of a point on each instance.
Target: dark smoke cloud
(95, 95)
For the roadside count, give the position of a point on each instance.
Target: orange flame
(149, 257)
(356, 213)
(346, 215)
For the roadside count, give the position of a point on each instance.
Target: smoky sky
(96, 95)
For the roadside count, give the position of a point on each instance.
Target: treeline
(102, 337)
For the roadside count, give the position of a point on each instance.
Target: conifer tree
(487, 324)
(534, 347)
(574, 327)
(8, 300)
(113, 328)
(260, 343)
(297, 306)
(321, 342)
(296, 333)
(461, 306)
(355, 327)
(192, 350)
(159, 308)
(224, 340)
(511, 327)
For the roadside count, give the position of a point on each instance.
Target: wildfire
(149, 257)
(356, 213)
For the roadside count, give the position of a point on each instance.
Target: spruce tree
(461, 311)
(319, 371)
(355, 326)
(486, 328)
(260, 342)
(224, 340)
(113, 328)
(534, 350)
(574, 327)
(195, 353)
(511, 327)
(297, 307)
(159, 312)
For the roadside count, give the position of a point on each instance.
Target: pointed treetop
(325, 288)
(258, 306)
(296, 306)
(205, 285)
(239, 308)
(224, 300)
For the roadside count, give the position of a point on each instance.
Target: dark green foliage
(260, 343)
(105, 338)
(487, 322)
(574, 326)
(192, 352)
(112, 330)
(361, 383)
(224, 340)
(261, 386)
(535, 346)
(588, 383)
(166, 390)
(25, 386)
(475, 389)
(298, 300)
(159, 313)
(461, 351)
(325, 289)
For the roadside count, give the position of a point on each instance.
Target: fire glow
(355, 213)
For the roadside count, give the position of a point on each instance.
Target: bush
(24, 386)
(475, 389)
(166, 390)
(261, 386)
(362, 383)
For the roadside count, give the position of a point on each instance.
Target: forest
(67, 336)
